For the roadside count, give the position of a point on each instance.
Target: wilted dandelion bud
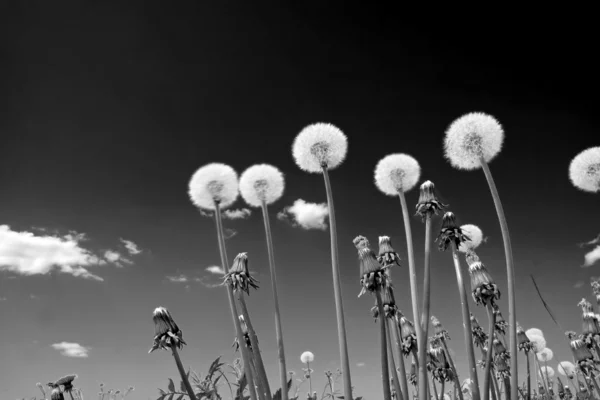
(501, 323)
(397, 173)
(239, 277)
(475, 238)
(439, 365)
(499, 349)
(261, 183)
(583, 356)
(471, 138)
(502, 367)
(545, 355)
(409, 335)
(412, 377)
(56, 394)
(479, 335)
(428, 204)
(373, 276)
(483, 288)
(590, 326)
(319, 146)
(567, 369)
(584, 170)
(387, 255)
(450, 232)
(389, 304)
(212, 184)
(524, 342)
(360, 242)
(440, 331)
(307, 357)
(66, 382)
(166, 331)
(538, 342)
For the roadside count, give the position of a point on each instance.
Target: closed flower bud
(479, 335)
(166, 331)
(239, 277)
(409, 335)
(483, 288)
(439, 329)
(450, 232)
(360, 242)
(501, 324)
(66, 382)
(387, 255)
(583, 356)
(389, 304)
(373, 277)
(428, 204)
(524, 342)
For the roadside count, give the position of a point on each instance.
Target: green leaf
(171, 385)
(171, 396)
(162, 392)
(181, 397)
(182, 387)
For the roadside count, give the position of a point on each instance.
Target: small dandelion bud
(479, 335)
(387, 255)
(361, 242)
(538, 343)
(440, 331)
(166, 331)
(584, 170)
(412, 378)
(261, 183)
(583, 356)
(428, 204)
(239, 277)
(389, 304)
(501, 323)
(545, 355)
(307, 357)
(524, 342)
(483, 287)
(396, 173)
(450, 232)
(409, 335)
(372, 274)
(319, 146)
(212, 184)
(475, 237)
(471, 138)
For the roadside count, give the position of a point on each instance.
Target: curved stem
(451, 362)
(421, 342)
(385, 374)
(236, 322)
(535, 360)
(495, 384)
(435, 392)
(337, 290)
(392, 363)
(427, 291)
(490, 351)
(510, 274)
(278, 330)
(466, 315)
(393, 325)
(184, 377)
(528, 376)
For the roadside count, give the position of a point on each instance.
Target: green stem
(260, 366)
(309, 378)
(184, 377)
(392, 363)
(494, 388)
(393, 325)
(510, 273)
(528, 376)
(495, 383)
(421, 342)
(490, 351)
(435, 392)
(337, 290)
(451, 362)
(385, 374)
(236, 322)
(595, 386)
(278, 330)
(541, 375)
(466, 324)
(426, 291)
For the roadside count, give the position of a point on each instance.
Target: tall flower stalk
(261, 185)
(214, 187)
(471, 142)
(317, 149)
(451, 235)
(525, 346)
(442, 335)
(396, 174)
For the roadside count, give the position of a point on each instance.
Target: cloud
(208, 282)
(229, 233)
(71, 349)
(215, 269)
(305, 215)
(116, 258)
(241, 213)
(591, 257)
(578, 284)
(33, 297)
(177, 278)
(3, 299)
(360, 364)
(131, 247)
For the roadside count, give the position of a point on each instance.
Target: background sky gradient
(107, 109)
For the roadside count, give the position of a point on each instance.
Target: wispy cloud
(229, 233)
(592, 257)
(177, 278)
(360, 364)
(208, 282)
(306, 215)
(3, 298)
(131, 247)
(71, 349)
(33, 297)
(116, 258)
(241, 213)
(215, 269)
(579, 284)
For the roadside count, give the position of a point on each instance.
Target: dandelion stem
(414, 296)
(541, 375)
(490, 351)
(426, 291)
(528, 376)
(236, 322)
(385, 374)
(466, 325)
(510, 273)
(309, 377)
(451, 362)
(595, 385)
(278, 330)
(337, 289)
(184, 377)
(435, 392)
(392, 363)
(442, 390)
(494, 388)
(393, 325)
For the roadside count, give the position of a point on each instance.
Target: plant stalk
(393, 325)
(392, 363)
(385, 374)
(451, 362)
(184, 377)
(426, 293)
(490, 351)
(528, 376)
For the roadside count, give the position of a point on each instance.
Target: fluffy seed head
(397, 172)
(319, 145)
(566, 368)
(534, 332)
(547, 371)
(539, 343)
(475, 238)
(260, 183)
(584, 170)
(214, 183)
(307, 357)
(545, 355)
(471, 137)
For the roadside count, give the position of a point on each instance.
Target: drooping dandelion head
(524, 342)
(397, 173)
(479, 336)
(584, 170)
(261, 183)
(566, 368)
(545, 355)
(428, 204)
(372, 275)
(319, 146)
(483, 287)
(214, 183)
(166, 331)
(66, 382)
(439, 330)
(473, 137)
(450, 232)
(239, 277)
(307, 357)
(539, 343)
(475, 236)
(387, 255)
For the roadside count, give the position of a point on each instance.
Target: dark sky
(107, 108)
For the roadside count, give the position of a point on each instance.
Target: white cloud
(33, 297)
(591, 257)
(131, 247)
(71, 349)
(306, 215)
(241, 213)
(177, 278)
(3, 299)
(578, 284)
(116, 258)
(229, 233)
(360, 364)
(215, 269)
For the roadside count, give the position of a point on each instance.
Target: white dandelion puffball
(534, 332)
(545, 355)
(475, 236)
(547, 371)
(319, 145)
(566, 368)
(260, 183)
(471, 137)
(539, 343)
(397, 172)
(214, 183)
(584, 170)
(307, 357)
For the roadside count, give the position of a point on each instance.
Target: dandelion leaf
(181, 397)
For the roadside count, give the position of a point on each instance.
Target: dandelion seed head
(549, 371)
(539, 343)
(319, 145)
(471, 137)
(214, 183)
(475, 237)
(584, 170)
(261, 182)
(566, 368)
(545, 355)
(307, 357)
(397, 172)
